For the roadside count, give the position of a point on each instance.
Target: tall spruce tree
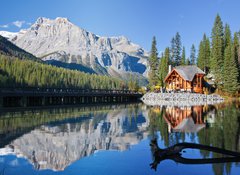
(227, 36)
(183, 59)
(207, 56)
(192, 55)
(230, 83)
(230, 76)
(200, 59)
(236, 50)
(153, 63)
(172, 54)
(163, 66)
(217, 50)
(203, 60)
(178, 49)
(160, 66)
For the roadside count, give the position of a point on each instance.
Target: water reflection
(61, 142)
(175, 153)
(184, 119)
(59, 139)
(213, 125)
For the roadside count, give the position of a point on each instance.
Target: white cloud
(18, 23)
(4, 26)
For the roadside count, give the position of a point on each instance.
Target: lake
(118, 139)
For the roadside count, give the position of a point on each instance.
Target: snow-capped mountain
(61, 40)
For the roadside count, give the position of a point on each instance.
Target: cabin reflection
(184, 119)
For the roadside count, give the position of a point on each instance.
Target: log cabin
(185, 79)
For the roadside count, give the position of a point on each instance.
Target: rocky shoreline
(180, 99)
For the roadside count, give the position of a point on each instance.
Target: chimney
(169, 68)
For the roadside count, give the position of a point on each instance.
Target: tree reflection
(223, 132)
(215, 125)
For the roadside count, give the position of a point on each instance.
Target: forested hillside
(26, 73)
(19, 68)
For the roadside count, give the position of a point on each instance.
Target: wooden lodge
(185, 79)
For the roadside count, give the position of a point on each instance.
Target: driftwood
(174, 153)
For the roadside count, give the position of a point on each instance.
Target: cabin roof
(187, 72)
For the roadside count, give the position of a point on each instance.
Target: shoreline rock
(180, 99)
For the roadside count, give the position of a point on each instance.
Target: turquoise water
(115, 139)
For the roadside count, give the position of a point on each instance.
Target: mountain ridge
(9, 49)
(61, 40)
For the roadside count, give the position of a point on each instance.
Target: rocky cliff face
(56, 147)
(61, 40)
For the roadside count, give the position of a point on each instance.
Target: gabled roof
(187, 72)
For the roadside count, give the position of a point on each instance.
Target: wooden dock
(25, 97)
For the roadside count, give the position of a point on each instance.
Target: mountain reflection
(55, 138)
(58, 144)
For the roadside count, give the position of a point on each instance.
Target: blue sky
(139, 20)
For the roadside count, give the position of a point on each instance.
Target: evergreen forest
(218, 56)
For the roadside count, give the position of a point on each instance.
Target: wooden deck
(22, 97)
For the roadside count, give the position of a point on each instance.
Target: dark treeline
(218, 56)
(27, 73)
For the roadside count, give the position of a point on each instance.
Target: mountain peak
(59, 39)
(62, 20)
(41, 20)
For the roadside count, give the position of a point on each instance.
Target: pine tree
(201, 53)
(153, 62)
(236, 50)
(217, 50)
(163, 66)
(188, 61)
(204, 54)
(178, 49)
(172, 54)
(133, 84)
(160, 67)
(183, 59)
(227, 36)
(230, 77)
(192, 55)
(207, 56)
